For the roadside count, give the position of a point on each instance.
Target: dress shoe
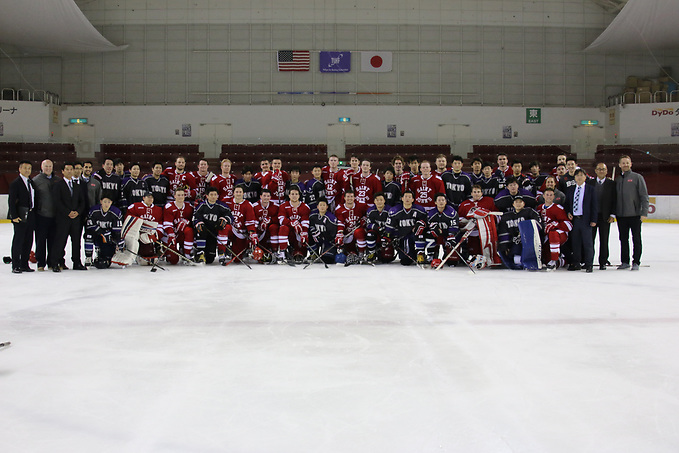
(602, 267)
(574, 267)
(16, 271)
(27, 269)
(79, 267)
(63, 267)
(623, 266)
(635, 267)
(589, 269)
(56, 269)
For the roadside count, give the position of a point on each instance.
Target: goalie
(482, 241)
(519, 231)
(141, 230)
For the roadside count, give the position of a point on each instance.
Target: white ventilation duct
(49, 27)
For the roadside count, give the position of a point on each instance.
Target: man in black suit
(582, 208)
(605, 196)
(69, 207)
(21, 204)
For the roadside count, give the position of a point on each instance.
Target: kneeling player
(405, 228)
(322, 232)
(151, 229)
(212, 221)
(442, 227)
(293, 217)
(104, 223)
(177, 217)
(509, 234)
(243, 226)
(266, 215)
(376, 220)
(557, 227)
(350, 225)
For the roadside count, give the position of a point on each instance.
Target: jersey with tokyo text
(209, 214)
(376, 220)
(100, 222)
(160, 188)
(443, 223)
(401, 221)
(458, 187)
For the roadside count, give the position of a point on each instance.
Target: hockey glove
(121, 245)
(551, 226)
(304, 236)
(105, 237)
(182, 224)
(297, 226)
(419, 228)
(339, 238)
(450, 242)
(222, 223)
(254, 240)
(200, 226)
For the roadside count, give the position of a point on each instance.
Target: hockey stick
(398, 247)
(471, 268)
(459, 244)
(235, 257)
(182, 257)
(318, 257)
(5, 345)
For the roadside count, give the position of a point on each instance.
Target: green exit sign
(77, 120)
(533, 116)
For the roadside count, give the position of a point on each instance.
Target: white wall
(25, 120)
(308, 124)
(648, 123)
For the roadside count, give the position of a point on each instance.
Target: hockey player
(482, 241)
(277, 181)
(265, 169)
(202, 176)
(425, 186)
(568, 179)
(458, 185)
(251, 187)
(158, 184)
(400, 176)
(536, 179)
(152, 229)
(266, 216)
(351, 224)
(390, 188)
(212, 223)
(178, 176)
(376, 221)
(243, 228)
(477, 174)
(110, 182)
(557, 226)
(293, 218)
(365, 184)
(441, 165)
(133, 187)
(333, 178)
(322, 232)
(442, 227)
(315, 189)
(102, 232)
(405, 227)
(489, 185)
(177, 217)
(503, 170)
(224, 182)
(295, 181)
(354, 169)
(505, 198)
(510, 246)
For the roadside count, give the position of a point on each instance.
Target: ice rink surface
(359, 359)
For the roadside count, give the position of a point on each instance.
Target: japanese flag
(375, 61)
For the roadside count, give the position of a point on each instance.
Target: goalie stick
(457, 246)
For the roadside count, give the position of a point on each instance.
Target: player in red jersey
(400, 176)
(426, 186)
(177, 217)
(482, 242)
(225, 182)
(477, 201)
(277, 181)
(146, 210)
(266, 216)
(202, 176)
(351, 220)
(293, 217)
(178, 176)
(333, 178)
(265, 167)
(354, 169)
(366, 185)
(243, 228)
(557, 226)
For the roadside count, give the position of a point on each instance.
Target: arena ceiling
(59, 26)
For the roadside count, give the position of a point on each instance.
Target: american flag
(293, 60)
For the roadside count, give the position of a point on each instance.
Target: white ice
(360, 359)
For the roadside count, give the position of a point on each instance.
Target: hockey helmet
(171, 258)
(436, 262)
(257, 254)
(340, 258)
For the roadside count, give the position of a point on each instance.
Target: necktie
(576, 200)
(70, 186)
(30, 193)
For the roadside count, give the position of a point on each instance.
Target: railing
(10, 94)
(644, 97)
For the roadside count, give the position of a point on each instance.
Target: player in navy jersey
(158, 184)
(315, 188)
(391, 189)
(110, 182)
(509, 237)
(322, 232)
(505, 198)
(102, 231)
(133, 187)
(252, 188)
(212, 223)
(458, 185)
(477, 170)
(405, 228)
(442, 227)
(376, 221)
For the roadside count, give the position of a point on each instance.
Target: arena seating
(147, 154)
(545, 154)
(303, 156)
